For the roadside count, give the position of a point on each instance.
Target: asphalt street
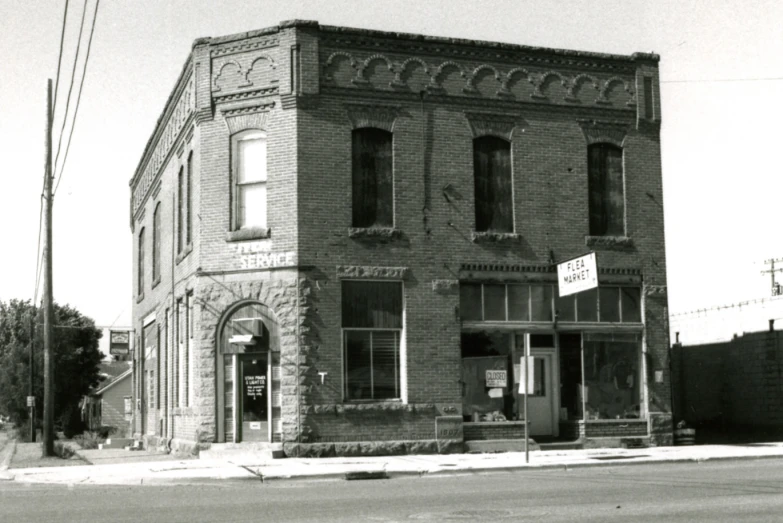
(722, 491)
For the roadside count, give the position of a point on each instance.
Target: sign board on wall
(259, 255)
(119, 342)
(577, 275)
(496, 378)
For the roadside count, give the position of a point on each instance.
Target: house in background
(344, 240)
(110, 403)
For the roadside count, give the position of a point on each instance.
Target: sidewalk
(172, 470)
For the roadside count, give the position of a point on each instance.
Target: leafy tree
(76, 359)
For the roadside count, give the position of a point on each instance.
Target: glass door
(253, 396)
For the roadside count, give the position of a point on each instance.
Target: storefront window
(609, 304)
(587, 305)
(486, 358)
(470, 302)
(519, 303)
(494, 303)
(571, 376)
(631, 304)
(541, 302)
(611, 371)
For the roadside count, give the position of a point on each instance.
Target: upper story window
(249, 180)
(372, 327)
(606, 192)
(156, 245)
(493, 188)
(189, 201)
(372, 178)
(140, 268)
(180, 207)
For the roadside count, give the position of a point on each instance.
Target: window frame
(140, 264)
(156, 242)
(398, 351)
(189, 201)
(247, 134)
(492, 177)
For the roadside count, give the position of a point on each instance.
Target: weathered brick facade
(308, 87)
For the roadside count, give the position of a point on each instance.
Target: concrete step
(245, 452)
(117, 443)
(561, 445)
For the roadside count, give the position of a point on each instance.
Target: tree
(76, 359)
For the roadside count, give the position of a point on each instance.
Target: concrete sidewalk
(188, 471)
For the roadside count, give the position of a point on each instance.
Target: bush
(72, 422)
(88, 440)
(104, 431)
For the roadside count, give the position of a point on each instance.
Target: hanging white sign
(526, 380)
(577, 275)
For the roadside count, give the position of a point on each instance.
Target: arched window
(249, 180)
(180, 207)
(606, 192)
(156, 245)
(372, 178)
(493, 189)
(140, 276)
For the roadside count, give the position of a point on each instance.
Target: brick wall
(490, 431)
(308, 113)
(738, 382)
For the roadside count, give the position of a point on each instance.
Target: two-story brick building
(338, 232)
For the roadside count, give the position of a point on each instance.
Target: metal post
(527, 388)
(48, 297)
(30, 392)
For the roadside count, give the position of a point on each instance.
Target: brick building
(338, 232)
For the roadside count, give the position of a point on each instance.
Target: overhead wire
(70, 88)
(60, 58)
(79, 96)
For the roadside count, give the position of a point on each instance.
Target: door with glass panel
(541, 404)
(253, 397)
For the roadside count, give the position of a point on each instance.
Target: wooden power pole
(48, 296)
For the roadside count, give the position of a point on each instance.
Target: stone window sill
(382, 234)
(155, 282)
(252, 233)
(618, 243)
(184, 254)
(495, 237)
(140, 297)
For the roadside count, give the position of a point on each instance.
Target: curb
(374, 473)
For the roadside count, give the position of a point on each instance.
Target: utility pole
(30, 393)
(776, 288)
(48, 296)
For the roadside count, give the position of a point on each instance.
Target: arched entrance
(248, 375)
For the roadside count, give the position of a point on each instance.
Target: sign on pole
(31, 401)
(119, 342)
(577, 275)
(526, 375)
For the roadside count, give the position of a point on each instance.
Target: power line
(721, 307)
(79, 97)
(723, 80)
(60, 58)
(70, 88)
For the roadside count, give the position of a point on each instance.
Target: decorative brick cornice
(246, 95)
(492, 124)
(372, 272)
(598, 131)
(242, 46)
(246, 118)
(373, 115)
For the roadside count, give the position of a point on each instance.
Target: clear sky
(721, 140)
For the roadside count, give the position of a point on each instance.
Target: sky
(722, 78)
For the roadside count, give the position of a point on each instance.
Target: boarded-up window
(606, 194)
(140, 276)
(372, 178)
(492, 178)
(156, 245)
(372, 323)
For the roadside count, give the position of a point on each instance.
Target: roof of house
(112, 373)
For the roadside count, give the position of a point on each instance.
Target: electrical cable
(78, 99)
(60, 58)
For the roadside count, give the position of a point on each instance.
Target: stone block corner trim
(370, 271)
(610, 242)
(495, 237)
